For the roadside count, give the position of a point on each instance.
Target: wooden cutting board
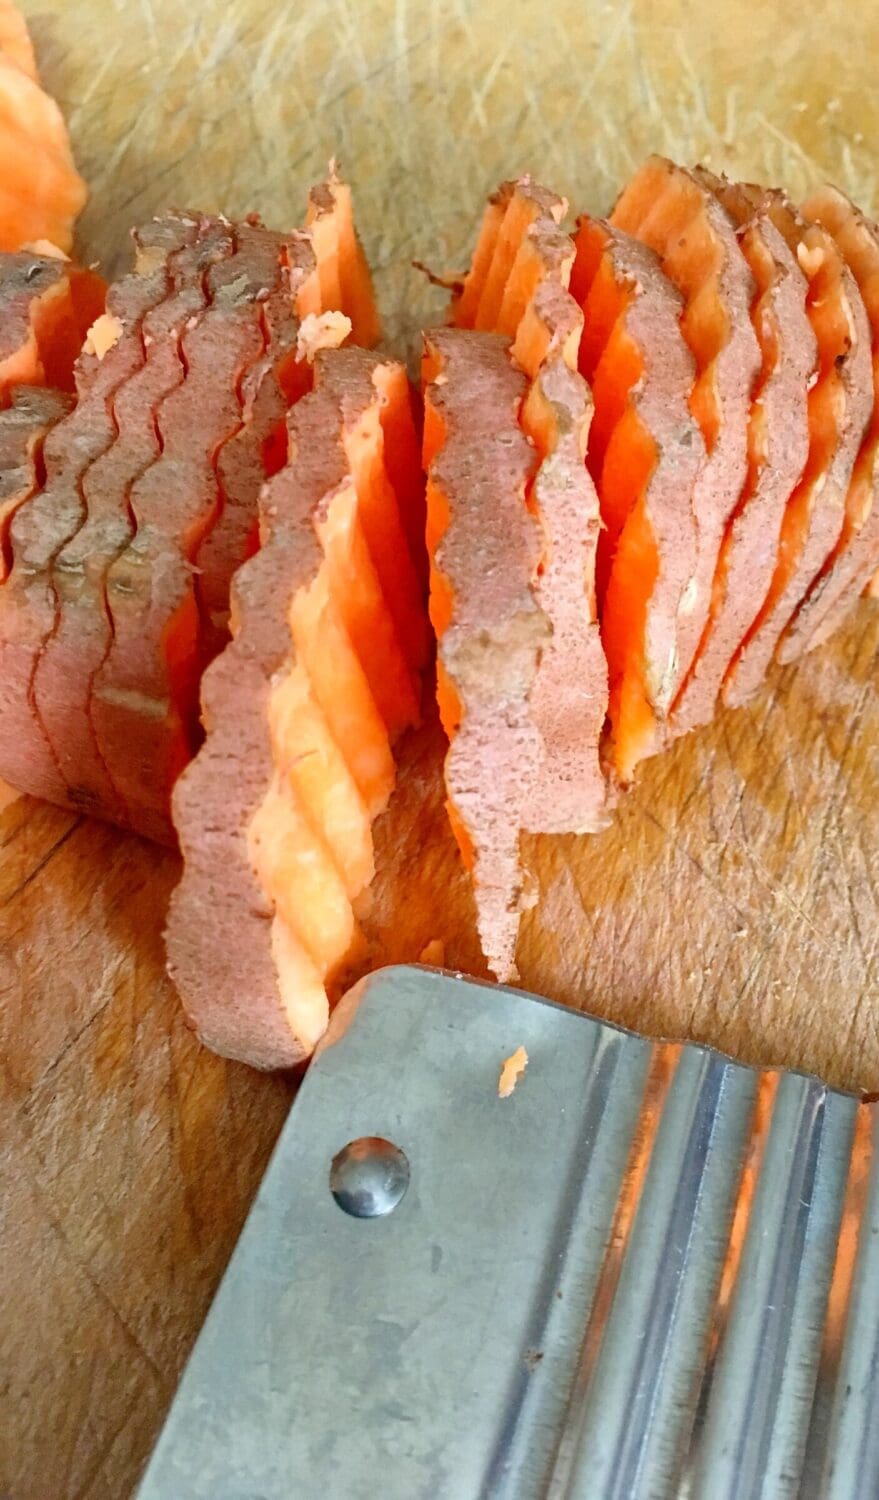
(735, 897)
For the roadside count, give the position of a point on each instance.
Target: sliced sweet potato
(646, 454)
(669, 209)
(46, 308)
(42, 527)
(15, 42)
(839, 406)
(778, 445)
(41, 192)
(855, 557)
(274, 814)
(485, 547)
(341, 271)
(23, 427)
(518, 286)
(78, 647)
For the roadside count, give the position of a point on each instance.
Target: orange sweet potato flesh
(23, 427)
(646, 455)
(43, 526)
(853, 561)
(15, 42)
(840, 403)
(778, 446)
(485, 547)
(41, 193)
(274, 814)
(674, 213)
(46, 307)
(518, 285)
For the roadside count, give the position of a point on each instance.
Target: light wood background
(735, 898)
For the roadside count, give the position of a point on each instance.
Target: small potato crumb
(512, 1069)
(103, 334)
(321, 331)
(45, 248)
(433, 953)
(810, 258)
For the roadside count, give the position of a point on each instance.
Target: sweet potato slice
(342, 275)
(854, 559)
(518, 286)
(81, 640)
(778, 445)
(42, 527)
(485, 547)
(15, 42)
(839, 407)
(669, 209)
(646, 455)
(195, 508)
(23, 427)
(274, 814)
(41, 192)
(46, 308)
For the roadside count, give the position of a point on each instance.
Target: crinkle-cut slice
(855, 557)
(23, 427)
(778, 446)
(839, 406)
(342, 280)
(77, 647)
(518, 286)
(646, 454)
(28, 605)
(46, 308)
(15, 40)
(274, 814)
(41, 192)
(485, 547)
(669, 209)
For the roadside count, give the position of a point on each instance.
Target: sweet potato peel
(646, 455)
(855, 556)
(778, 445)
(275, 812)
(518, 286)
(669, 209)
(485, 548)
(46, 308)
(24, 424)
(839, 406)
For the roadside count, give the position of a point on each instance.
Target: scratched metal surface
(733, 901)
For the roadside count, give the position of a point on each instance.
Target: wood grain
(735, 897)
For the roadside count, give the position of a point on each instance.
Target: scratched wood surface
(735, 897)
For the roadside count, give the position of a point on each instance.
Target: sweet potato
(855, 557)
(485, 547)
(274, 814)
(46, 308)
(23, 427)
(839, 406)
(646, 454)
(778, 445)
(41, 192)
(43, 526)
(518, 286)
(15, 42)
(672, 211)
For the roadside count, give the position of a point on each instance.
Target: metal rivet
(369, 1176)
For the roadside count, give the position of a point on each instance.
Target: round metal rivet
(369, 1176)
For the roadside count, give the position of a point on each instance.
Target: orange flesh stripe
(507, 267)
(854, 558)
(344, 282)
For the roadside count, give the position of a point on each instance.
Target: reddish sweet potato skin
(23, 426)
(780, 409)
(850, 569)
(729, 375)
(229, 984)
(489, 555)
(68, 299)
(40, 529)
